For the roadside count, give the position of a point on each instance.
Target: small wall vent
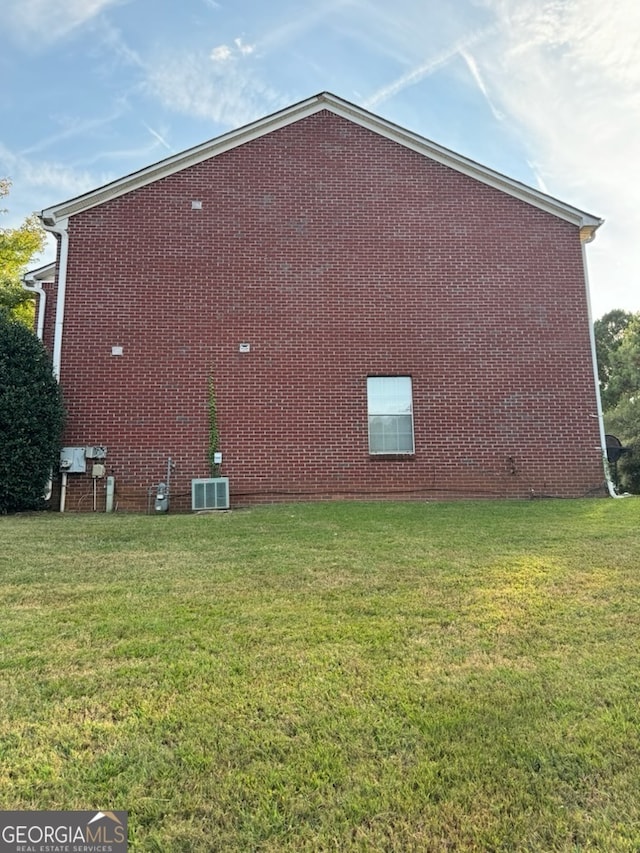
(211, 493)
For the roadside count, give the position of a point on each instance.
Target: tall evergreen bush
(31, 418)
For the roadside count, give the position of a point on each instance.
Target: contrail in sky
(428, 67)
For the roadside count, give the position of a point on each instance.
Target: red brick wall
(335, 254)
(48, 332)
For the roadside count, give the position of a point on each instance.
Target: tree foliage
(609, 334)
(31, 418)
(17, 248)
(624, 422)
(618, 350)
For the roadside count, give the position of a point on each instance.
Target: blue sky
(545, 91)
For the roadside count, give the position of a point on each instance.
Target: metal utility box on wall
(211, 493)
(72, 460)
(96, 451)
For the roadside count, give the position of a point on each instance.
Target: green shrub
(31, 418)
(624, 422)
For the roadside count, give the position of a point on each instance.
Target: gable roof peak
(302, 109)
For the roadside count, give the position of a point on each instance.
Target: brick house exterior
(378, 317)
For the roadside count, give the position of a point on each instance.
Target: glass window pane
(390, 433)
(389, 395)
(376, 437)
(404, 436)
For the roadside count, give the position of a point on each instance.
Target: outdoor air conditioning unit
(212, 493)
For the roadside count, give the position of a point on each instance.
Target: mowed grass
(329, 677)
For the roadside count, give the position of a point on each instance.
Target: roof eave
(43, 273)
(177, 162)
(325, 100)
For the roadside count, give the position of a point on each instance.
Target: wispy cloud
(224, 53)
(48, 21)
(306, 18)
(47, 175)
(116, 45)
(242, 48)
(220, 87)
(429, 66)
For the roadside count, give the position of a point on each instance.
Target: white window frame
(396, 412)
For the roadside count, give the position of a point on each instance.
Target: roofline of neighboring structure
(44, 273)
(323, 101)
(33, 281)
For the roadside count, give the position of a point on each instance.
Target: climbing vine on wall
(214, 436)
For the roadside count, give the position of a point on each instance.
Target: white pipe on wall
(63, 491)
(32, 284)
(61, 229)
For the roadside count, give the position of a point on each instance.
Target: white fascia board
(351, 112)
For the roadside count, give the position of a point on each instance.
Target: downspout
(594, 362)
(63, 491)
(60, 229)
(31, 283)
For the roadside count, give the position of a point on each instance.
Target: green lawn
(329, 677)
